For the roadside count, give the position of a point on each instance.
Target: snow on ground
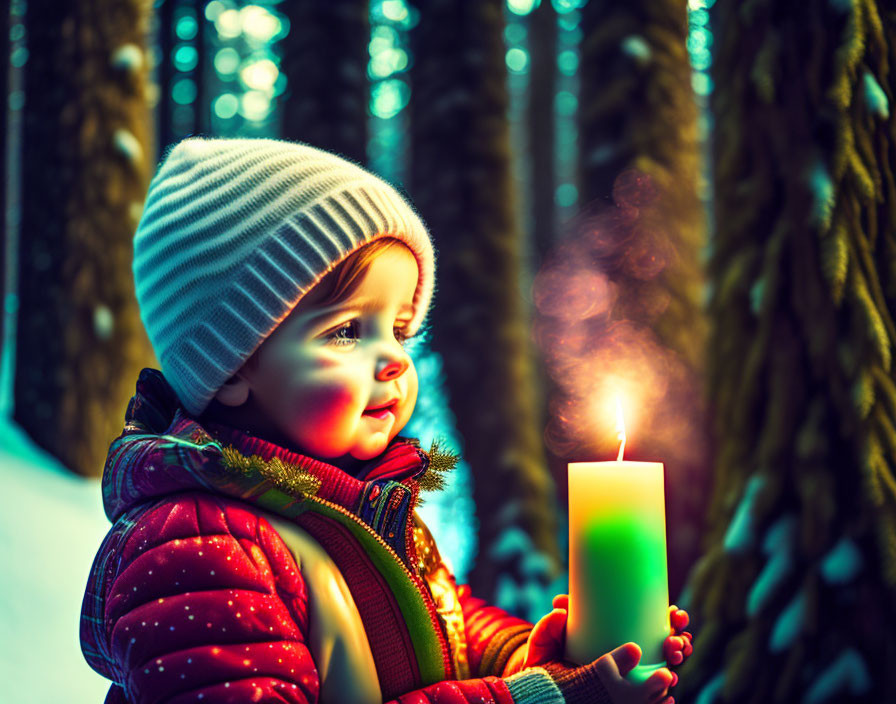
(51, 524)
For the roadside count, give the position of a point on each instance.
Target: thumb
(547, 638)
(625, 657)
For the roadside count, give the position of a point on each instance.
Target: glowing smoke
(597, 297)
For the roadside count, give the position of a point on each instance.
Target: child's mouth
(381, 412)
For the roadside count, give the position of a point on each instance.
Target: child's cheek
(326, 408)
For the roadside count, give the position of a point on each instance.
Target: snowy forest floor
(51, 524)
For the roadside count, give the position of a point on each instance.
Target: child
(264, 544)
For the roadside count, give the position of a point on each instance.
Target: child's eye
(345, 334)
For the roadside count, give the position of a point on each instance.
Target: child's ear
(235, 391)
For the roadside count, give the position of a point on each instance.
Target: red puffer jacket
(196, 596)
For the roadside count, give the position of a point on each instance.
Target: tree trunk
(203, 99)
(542, 88)
(461, 183)
(4, 134)
(85, 165)
(638, 136)
(325, 58)
(165, 76)
(795, 596)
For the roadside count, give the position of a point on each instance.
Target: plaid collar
(163, 450)
(402, 460)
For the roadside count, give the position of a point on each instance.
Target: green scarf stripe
(413, 608)
(249, 484)
(425, 641)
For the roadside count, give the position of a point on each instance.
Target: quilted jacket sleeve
(495, 640)
(205, 604)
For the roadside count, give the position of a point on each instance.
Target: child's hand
(576, 683)
(548, 638)
(679, 645)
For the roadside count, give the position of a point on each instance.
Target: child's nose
(387, 369)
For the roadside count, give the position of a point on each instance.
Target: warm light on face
(318, 371)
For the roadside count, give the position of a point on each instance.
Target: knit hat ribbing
(235, 231)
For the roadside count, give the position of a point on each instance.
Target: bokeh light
(563, 7)
(214, 9)
(517, 60)
(387, 62)
(568, 62)
(259, 23)
(389, 97)
(259, 75)
(522, 7)
(185, 58)
(186, 27)
(183, 92)
(382, 38)
(226, 105)
(255, 105)
(702, 83)
(227, 61)
(228, 24)
(395, 10)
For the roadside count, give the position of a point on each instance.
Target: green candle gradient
(618, 581)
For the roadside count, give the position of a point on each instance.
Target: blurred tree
(637, 120)
(4, 130)
(542, 87)
(462, 184)
(325, 59)
(85, 147)
(541, 146)
(203, 101)
(165, 133)
(795, 596)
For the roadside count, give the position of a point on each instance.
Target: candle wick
(620, 429)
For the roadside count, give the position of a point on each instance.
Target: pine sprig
(289, 478)
(441, 461)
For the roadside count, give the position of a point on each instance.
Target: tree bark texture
(794, 597)
(85, 169)
(325, 57)
(461, 182)
(542, 89)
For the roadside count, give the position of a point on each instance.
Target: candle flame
(620, 429)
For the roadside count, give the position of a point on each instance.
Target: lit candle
(618, 583)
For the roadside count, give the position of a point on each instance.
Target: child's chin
(371, 449)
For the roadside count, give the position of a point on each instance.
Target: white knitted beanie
(235, 231)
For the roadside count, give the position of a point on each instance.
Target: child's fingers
(662, 698)
(678, 619)
(657, 685)
(616, 664)
(672, 645)
(688, 649)
(547, 638)
(561, 601)
(656, 698)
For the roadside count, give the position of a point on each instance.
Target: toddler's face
(325, 370)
